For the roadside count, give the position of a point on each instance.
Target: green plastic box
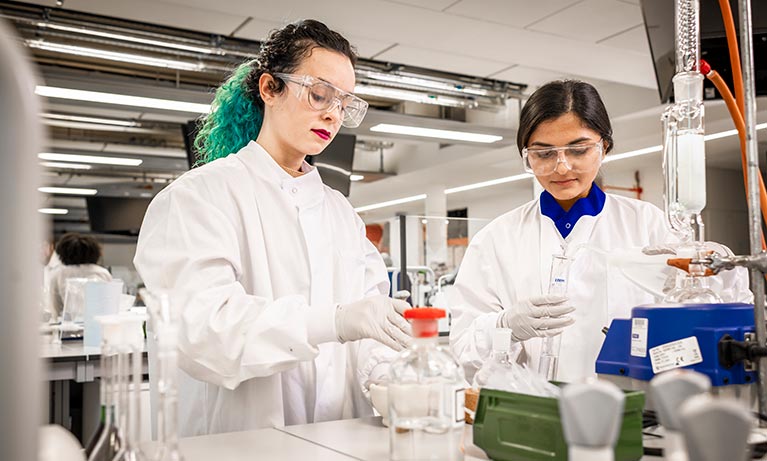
(519, 427)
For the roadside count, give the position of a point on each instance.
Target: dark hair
(561, 97)
(78, 249)
(237, 112)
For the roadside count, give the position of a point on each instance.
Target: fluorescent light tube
(96, 120)
(53, 210)
(492, 182)
(398, 201)
(121, 99)
(356, 177)
(424, 83)
(126, 38)
(71, 166)
(56, 157)
(432, 133)
(413, 96)
(67, 191)
(115, 56)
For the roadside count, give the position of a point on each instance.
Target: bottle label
(459, 395)
(639, 327)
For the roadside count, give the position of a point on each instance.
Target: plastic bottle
(499, 358)
(426, 396)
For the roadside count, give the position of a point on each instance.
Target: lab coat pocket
(349, 280)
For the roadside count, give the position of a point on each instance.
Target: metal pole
(404, 281)
(754, 218)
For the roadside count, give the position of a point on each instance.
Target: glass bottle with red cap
(426, 395)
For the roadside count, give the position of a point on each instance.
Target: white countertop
(362, 439)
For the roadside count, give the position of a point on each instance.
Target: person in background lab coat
(283, 313)
(564, 134)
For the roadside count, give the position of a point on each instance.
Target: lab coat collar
(565, 221)
(305, 191)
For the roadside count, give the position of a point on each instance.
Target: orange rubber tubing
(740, 125)
(732, 45)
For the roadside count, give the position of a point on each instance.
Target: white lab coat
(510, 260)
(256, 261)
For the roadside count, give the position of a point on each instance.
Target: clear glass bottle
(499, 358)
(107, 441)
(426, 396)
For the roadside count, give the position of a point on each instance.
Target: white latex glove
(377, 317)
(539, 316)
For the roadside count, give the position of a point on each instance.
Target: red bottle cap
(424, 313)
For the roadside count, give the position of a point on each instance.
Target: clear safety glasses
(324, 96)
(578, 158)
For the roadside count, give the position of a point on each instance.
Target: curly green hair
(237, 112)
(235, 118)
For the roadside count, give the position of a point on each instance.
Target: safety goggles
(324, 96)
(578, 158)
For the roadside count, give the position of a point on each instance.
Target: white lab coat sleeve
(477, 305)
(189, 246)
(373, 358)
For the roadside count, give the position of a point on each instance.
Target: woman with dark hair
(79, 255)
(504, 280)
(283, 313)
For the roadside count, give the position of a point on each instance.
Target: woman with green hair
(283, 312)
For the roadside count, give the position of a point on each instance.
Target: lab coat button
(294, 190)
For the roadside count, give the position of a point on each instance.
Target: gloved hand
(378, 317)
(539, 316)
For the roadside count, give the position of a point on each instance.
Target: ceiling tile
(591, 20)
(518, 13)
(450, 34)
(257, 29)
(531, 76)
(634, 40)
(436, 5)
(160, 12)
(449, 62)
(367, 47)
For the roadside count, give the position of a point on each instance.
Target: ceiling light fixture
(126, 38)
(120, 161)
(121, 99)
(433, 133)
(53, 210)
(71, 166)
(115, 56)
(97, 120)
(67, 190)
(356, 177)
(398, 201)
(413, 96)
(406, 80)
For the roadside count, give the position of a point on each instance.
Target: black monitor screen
(659, 22)
(116, 215)
(335, 162)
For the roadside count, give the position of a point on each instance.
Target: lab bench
(360, 439)
(73, 365)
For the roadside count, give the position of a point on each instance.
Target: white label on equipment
(639, 337)
(675, 354)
